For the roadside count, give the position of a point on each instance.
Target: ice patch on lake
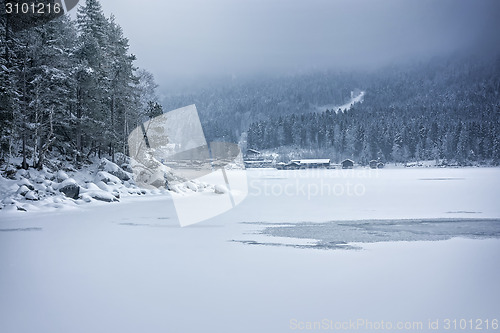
(342, 234)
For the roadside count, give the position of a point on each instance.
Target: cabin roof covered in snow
(312, 161)
(252, 151)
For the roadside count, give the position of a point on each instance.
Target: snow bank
(102, 181)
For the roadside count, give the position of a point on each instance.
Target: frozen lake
(423, 245)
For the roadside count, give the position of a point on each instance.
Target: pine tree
(51, 84)
(8, 96)
(397, 153)
(122, 99)
(92, 113)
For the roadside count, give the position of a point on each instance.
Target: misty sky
(188, 38)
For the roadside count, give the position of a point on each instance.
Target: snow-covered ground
(128, 267)
(103, 180)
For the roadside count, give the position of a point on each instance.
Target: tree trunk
(25, 163)
(25, 113)
(37, 140)
(113, 136)
(50, 139)
(78, 126)
(7, 40)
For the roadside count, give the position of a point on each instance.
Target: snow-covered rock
(40, 179)
(32, 195)
(127, 168)
(23, 189)
(107, 178)
(25, 182)
(41, 187)
(114, 170)
(85, 197)
(20, 174)
(103, 186)
(70, 188)
(8, 201)
(91, 187)
(192, 186)
(61, 176)
(100, 195)
(219, 189)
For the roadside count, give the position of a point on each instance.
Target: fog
(193, 38)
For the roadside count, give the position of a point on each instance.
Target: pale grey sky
(188, 38)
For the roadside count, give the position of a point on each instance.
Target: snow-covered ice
(129, 267)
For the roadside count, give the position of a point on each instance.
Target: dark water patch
(203, 226)
(21, 229)
(463, 212)
(149, 225)
(273, 223)
(274, 178)
(443, 178)
(316, 246)
(130, 224)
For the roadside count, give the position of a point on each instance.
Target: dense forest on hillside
(441, 110)
(228, 107)
(69, 89)
(447, 108)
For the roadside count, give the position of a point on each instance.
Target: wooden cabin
(347, 164)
